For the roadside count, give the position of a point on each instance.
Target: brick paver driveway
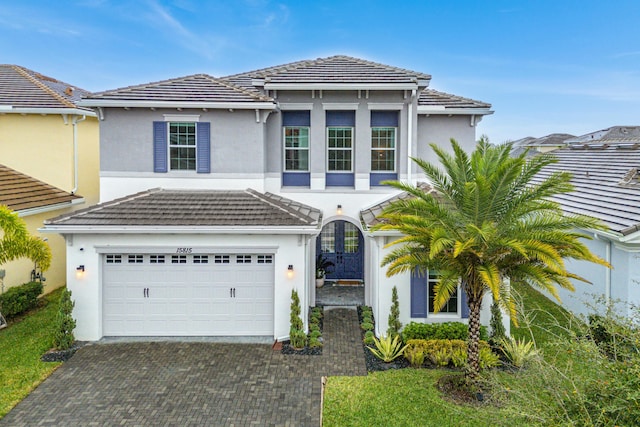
(170, 383)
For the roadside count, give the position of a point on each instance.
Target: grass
(404, 397)
(21, 345)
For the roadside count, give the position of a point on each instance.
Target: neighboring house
(48, 140)
(605, 167)
(217, 193)
(544, 144)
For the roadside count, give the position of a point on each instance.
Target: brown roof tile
(21, 192)
(195, 208)
(370, 216)
(24, 88)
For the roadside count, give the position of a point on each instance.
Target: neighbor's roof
(371, 216)
(24, 88)
(606, 181)
(194, 208)
(21, 192)
(614, 134)
(551, 140)
(198, 88)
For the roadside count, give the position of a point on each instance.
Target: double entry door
(341, 243)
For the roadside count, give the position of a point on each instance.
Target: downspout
(410, 138)
(607, 277)
(74, 123)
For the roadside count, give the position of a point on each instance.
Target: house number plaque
(184, 250)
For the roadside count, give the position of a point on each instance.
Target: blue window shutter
(464, 307)
(418, 295)
(160, 147)
(341, 118)
(384, 119)
(203, 145)
(296, 118)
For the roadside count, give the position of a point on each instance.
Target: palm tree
(488, 219)
(16, 242)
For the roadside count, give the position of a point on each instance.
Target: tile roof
(195, 208)
(24, 88)
(194, 88)
(551, 140)
(333, 69)
(606, 181)
(614, 134)
(21, 192)
(369, 217)
(430, 97)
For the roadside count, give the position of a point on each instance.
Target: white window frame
(454, 315)
(170, 146)
(285, 148)
(394, 149)
(350, 149)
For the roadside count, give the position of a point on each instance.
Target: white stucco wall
(87, 291)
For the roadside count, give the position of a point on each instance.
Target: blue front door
(341, 243)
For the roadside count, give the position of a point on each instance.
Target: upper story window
(384, 125)
(182, 146)
(340, 138)
(451, 306)
(296, 140)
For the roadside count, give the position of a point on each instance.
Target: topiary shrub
(366, 326)
(297, 337)
(19, 299)
(498, 332)
(394, 315)
(63, 338)
(315, 343)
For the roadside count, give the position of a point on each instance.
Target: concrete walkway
(192, 383)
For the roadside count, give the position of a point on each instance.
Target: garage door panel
(204, 295)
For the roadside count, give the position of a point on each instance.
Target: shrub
(314, 327)
(316, 312)
(298, 339)
(63, 337)
(367, 318)
(19, 299)
(368, 337)
(447, 331)
(394, 315)
(415, 355)
(314, 321)
(315, 334)
(488, 359)
(387, 348)
(459, 357)
(441, 357)
(315, 343)
(518, 352)
(366, 326)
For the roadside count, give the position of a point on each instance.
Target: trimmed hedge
(19, 299)
(441, 331)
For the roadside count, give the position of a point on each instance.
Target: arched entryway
(342, 243)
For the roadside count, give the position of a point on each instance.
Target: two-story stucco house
(217, 194)
(48, 161)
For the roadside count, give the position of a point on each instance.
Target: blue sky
(546, 66)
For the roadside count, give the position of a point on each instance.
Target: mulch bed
(306, 351)
(372, 362)
(54, 355)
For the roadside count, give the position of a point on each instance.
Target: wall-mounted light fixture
(290, 271)
(339, 210)
(79, 271)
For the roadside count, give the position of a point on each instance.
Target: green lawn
(21, 345)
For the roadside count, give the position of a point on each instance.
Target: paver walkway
(180, 384)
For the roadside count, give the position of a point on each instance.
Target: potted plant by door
(322, 265)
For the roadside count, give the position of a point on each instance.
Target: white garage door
(197, 295)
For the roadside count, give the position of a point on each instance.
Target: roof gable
(21, 192)
(24, 88)
(195, 209)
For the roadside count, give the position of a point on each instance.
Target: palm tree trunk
(473, 353)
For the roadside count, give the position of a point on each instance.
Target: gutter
(49, 208)
(179, 104)
(4, 109)
(115, 229)
(442, 110)
(340, 86)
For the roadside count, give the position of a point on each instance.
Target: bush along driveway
(188, 383)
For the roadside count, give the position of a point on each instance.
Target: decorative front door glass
(340, 242)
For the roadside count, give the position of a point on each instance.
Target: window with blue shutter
(384, 129)
(160, 151)
(340, 141)
(181, 146)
